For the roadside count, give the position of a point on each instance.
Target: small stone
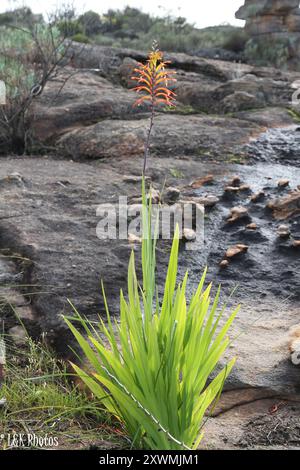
(224, 264)
(18, 335)
(134, 238)
(245, 187)
(208, 201)
(171, 195)
(188, 235)
(236, 181)
(252, 226)
(236, 250)
(134, 179)
(283, 183)
(208, 179)
(231, 189)
(283, 231)
(296, 244)
(258, 196)
(237, 213)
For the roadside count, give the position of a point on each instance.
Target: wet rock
(235, 181)
(208, 201)
(236, 250)
(285, 207)
(135, 179)
(252, 226)
(257, 197)
(208, 179)
(296, 244)
(171, 195)
(224, 264)
(238, 213)
(283, 231)
(283, 183)
(231, 189)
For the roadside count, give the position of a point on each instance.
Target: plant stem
(147, 144)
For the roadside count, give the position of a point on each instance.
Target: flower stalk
(154, 80)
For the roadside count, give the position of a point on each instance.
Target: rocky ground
(232, 145)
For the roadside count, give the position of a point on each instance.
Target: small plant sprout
(154, 84)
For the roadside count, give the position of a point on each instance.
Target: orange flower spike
(153, 80)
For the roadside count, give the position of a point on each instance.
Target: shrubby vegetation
(132, 28)
(30, 51)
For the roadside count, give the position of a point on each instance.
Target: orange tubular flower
(153, 81)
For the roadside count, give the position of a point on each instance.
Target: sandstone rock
(237, 213)
(224, 264)
(245, 188)
(254, 8)
(283, 183)
(135, 179)
(208, 179)
(286, 206)
(236, 250)
(188, 235)
(84, 99)
(172, 136)
(241, 101)
(235, 181)
(283, 231)
(251, 226)
(231, 189)
(258, 196)
(273, 22)
(132, 238)
(171, 195)
(126, 71)
(208, 201)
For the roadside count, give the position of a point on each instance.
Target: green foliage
(15, 45)
(267, 51)
(69, 28)
(27, 57)
(236, 40)
(81, 38)
(20, 16)
(91, 23)
(154, 369)
(39, 392)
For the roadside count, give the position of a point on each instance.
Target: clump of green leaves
(154, 368)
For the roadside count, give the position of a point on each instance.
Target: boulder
(172, 135)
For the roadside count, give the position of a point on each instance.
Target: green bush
(153, 370)
(236, 41)
(268, 51)
(81, 38)
(91, 23)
